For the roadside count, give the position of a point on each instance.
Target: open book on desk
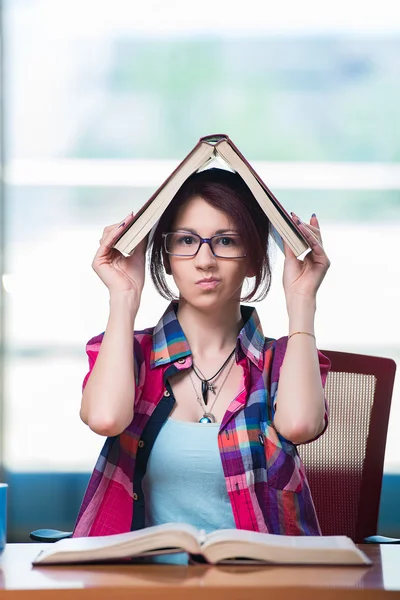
(221, 546)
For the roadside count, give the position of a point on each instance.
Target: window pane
(81, 85)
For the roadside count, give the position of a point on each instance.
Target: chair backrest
(345, 465)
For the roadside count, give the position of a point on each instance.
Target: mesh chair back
(345, 465)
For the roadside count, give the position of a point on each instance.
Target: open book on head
(207, 151)
(221, 546)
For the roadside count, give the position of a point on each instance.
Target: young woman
(202, 412)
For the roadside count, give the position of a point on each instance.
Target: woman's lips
(208, 284)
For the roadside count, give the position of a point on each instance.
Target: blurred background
(99, 102)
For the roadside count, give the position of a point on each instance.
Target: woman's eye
(186, 240)
(226, 241)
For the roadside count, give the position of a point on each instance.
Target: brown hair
(227, 192)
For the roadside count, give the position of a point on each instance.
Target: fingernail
(121, 224)
(298, 221)
(313, 215)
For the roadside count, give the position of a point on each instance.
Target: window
(100, 106)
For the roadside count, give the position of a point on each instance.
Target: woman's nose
(204, 256)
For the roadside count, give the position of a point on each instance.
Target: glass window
(101, 107)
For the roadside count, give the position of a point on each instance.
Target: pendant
(204, 391)
(211, 388)
(208, 418)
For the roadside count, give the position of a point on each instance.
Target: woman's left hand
(303, 277)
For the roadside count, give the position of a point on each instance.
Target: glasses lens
(228, 246)
(182, 244)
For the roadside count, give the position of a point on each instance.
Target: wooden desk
(20, 581)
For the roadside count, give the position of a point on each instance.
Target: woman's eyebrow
(188, 229)
(218, 232)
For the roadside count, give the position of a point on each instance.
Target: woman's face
(204, 280)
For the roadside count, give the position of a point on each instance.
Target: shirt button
(167, 394)
(141, 444)
(135, 496)
(181, 360)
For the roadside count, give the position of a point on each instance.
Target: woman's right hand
(118, 272)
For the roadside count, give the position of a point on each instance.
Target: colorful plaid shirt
(264, 475)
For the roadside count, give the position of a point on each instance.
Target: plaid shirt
(264, 475)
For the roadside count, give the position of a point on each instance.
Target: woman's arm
(109, 395)
(300, 404)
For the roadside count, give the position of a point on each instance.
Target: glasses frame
(207, 241)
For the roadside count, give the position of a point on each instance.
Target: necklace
(208, 416)
(207, 384)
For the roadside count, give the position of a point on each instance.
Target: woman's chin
(205, 299)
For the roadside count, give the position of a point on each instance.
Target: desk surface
(175, 582)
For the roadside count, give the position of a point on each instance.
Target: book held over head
(228, 546)
(210, 149)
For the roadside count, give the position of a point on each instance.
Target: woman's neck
(210, 333)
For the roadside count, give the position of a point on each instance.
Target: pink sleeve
(92, 351)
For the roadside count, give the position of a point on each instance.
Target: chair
(345, 465)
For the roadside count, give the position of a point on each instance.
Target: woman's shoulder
(141, 337)
(144, 334)
(275, 345)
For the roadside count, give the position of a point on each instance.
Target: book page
(282, 541)
(216, 161)
(171, 536)
(242, 545)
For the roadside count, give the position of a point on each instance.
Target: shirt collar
(251, 338)
(170, 343)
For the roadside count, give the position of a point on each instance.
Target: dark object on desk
(345, 465)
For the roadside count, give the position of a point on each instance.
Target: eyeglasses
(180, 243)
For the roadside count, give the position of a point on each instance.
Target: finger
(315, 231)
(113, 231)
(312, 228)
(126, 221)
(312, 240)
(106, 231)
(314, 225)
(103, 255)
(113, 228)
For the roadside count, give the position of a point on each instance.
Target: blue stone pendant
(208, 418)
(205, 420)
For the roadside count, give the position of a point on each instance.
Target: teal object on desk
(3, 516)
(49, 535)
